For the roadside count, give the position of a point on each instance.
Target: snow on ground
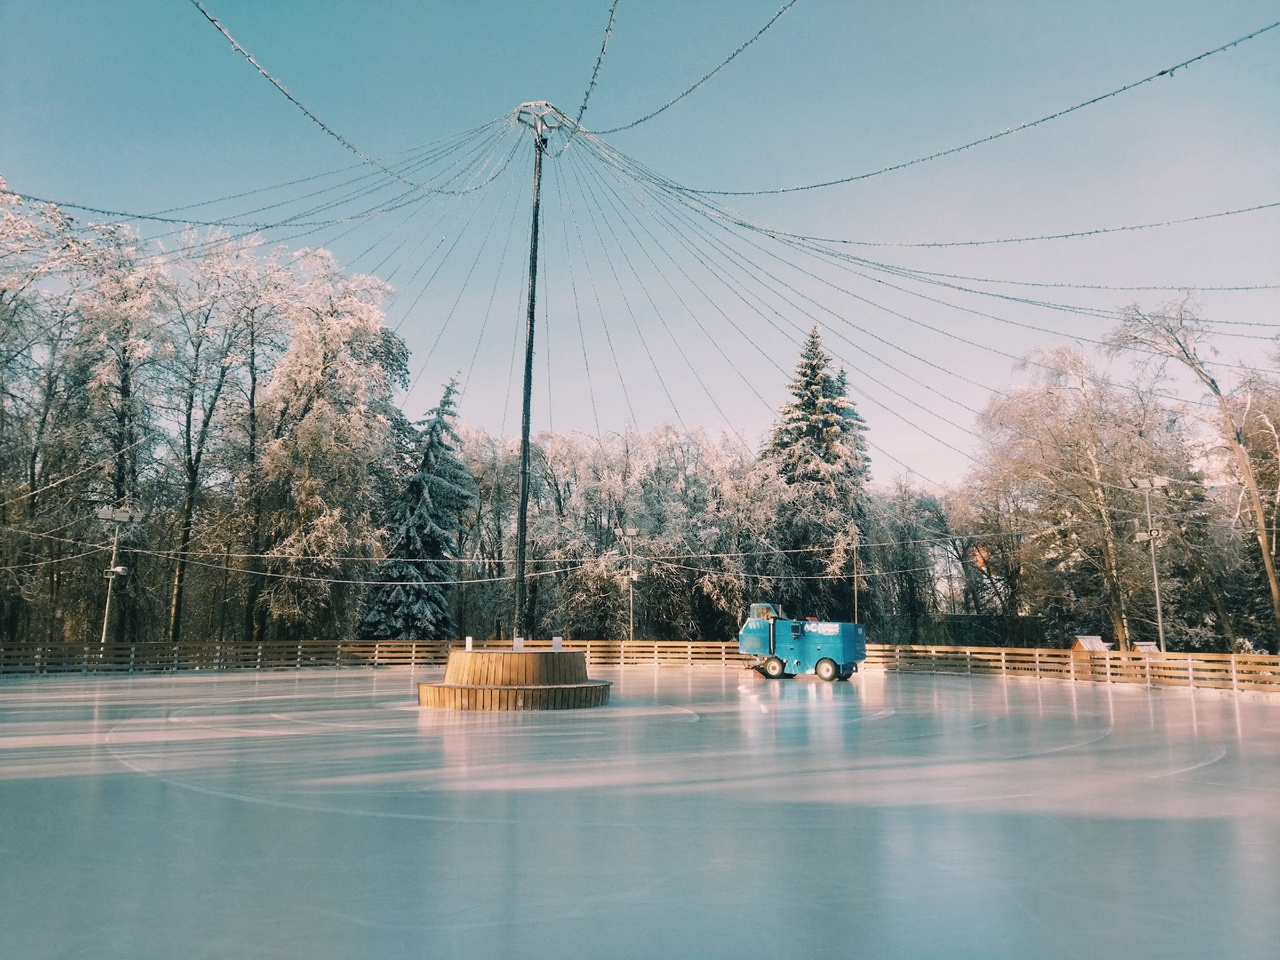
(322, 814)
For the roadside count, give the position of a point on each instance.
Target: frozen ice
(703, 813)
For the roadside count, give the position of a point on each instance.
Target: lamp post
(625, 535)
(1150, 535)
(116, 515)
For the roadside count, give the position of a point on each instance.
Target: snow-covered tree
(1060, 455)
(212, 300)
(410, 600)
(818, 438)
(1175, 332)
(819, 452)
(330, 426)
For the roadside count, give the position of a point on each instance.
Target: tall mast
(543, 119)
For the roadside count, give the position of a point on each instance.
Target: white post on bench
(557, 643)
(468, 643)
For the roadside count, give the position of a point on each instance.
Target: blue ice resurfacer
(790, 647)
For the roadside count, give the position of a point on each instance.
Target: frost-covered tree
(818, 438)
(43, 453)
(329, 428)
(819, 452)
(1175, 332)
(212, 300)
(122, 340)
(410, 600)
(1061, 452)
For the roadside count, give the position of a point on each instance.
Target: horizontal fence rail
(160, 657)
(1219, 671)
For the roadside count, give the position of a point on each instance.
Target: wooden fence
(1220, 671)
(160, 657)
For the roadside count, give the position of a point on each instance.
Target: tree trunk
(180, 566)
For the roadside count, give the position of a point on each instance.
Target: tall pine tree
(819, 437)
(409, 602)
(819, 452)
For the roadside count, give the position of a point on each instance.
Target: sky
(653, 306)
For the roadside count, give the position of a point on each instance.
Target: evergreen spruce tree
(819, 450)
(819, 438)
(409, 601)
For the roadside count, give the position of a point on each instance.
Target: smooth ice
(322, 814)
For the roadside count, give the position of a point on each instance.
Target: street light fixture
(117, 516)
(1150, 536)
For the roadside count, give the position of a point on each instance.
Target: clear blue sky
(140, 105)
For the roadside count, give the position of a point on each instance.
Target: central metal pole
(522, 517)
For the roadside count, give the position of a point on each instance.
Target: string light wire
(1166, 72)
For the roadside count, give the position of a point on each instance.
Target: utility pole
(625, 536)
(543, 119)
(855, 584)
(1151, 535)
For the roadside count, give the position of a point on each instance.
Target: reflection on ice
(323, 814)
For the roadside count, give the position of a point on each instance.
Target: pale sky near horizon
(142, 106)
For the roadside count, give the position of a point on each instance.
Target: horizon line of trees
(243, 402)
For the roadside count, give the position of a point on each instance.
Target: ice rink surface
(703, 813)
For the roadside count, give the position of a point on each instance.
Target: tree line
(240, 406)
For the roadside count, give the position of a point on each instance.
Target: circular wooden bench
(515, 680)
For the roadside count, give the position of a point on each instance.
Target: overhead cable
(1052, 236)
(595, 74)
(724, 63)
(1167, 72)
(1199, 288)
(295, 101)
(152, 218)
